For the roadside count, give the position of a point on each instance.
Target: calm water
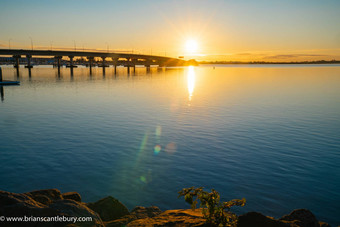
(268, 133)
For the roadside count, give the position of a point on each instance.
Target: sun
(191, 46)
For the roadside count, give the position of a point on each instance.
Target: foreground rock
(45, 197)
(51, 203)
(173, 218)
(297, 218)
(137, 213)
(45, 203)
(109, 208)
(302, 218)
(72, 196)
(256, 219)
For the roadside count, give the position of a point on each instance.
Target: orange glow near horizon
(201, 30)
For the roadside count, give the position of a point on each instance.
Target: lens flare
(170, 148)
(157, 149)
(143, 143)
(158, 131)
(142, 179)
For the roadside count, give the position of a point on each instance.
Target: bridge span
(125, 59)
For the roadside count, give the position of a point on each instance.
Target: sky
(225, 30)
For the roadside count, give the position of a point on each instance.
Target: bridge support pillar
(115, 61)
(58, 58)
(16, 61)
(147, 64)
(29, 58)
(103, 65)
(147, 68)
(104, 62)
(128, 65)
(90, 63)
(71, 61)
(71, 64)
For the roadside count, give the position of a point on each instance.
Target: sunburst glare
(191, 81)
(191, 46)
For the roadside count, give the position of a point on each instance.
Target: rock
(50, 203)
(145, 212)
(72, 196)
(151, 216)
(23, 205)
(46, 196)
(255, 219)
(72, 208)
(297, 218)
(109, 208)
(302, 218)
(13, 204)
(119, 222)
(324, 224)
(138, 212)
(173, 218)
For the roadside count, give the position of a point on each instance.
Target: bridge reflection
(42, 74)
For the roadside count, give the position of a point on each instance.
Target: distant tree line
(268, 62)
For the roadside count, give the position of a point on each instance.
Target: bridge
(125, 59)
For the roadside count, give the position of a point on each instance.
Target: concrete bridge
(125, 59)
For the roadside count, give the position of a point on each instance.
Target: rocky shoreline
(110, 212)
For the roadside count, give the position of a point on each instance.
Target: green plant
(215, 212)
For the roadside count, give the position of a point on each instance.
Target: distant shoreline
(265, 62)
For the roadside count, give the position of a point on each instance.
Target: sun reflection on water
(191, 81)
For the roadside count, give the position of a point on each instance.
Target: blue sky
(229, 29)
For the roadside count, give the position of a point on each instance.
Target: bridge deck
(83, 54)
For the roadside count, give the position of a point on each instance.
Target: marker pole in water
(0, 74)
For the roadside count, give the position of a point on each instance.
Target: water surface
(269, 133)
